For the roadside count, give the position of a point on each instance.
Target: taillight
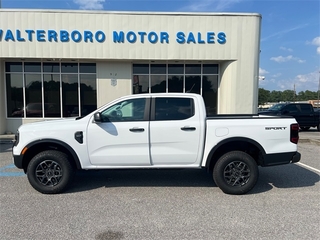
(294, 133)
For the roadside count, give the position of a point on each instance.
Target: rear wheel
(305, 128)
(50, 172)
(236, 172)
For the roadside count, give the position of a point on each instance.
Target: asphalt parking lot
(165, 204)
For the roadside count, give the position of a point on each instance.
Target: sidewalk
(311, 136)
(6, 138)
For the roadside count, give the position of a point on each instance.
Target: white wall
(240, 29)
(121, 73)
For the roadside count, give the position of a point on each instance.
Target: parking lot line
(5, 173)
(307, 166)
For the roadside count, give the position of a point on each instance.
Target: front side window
(173, 108)
(125, 111)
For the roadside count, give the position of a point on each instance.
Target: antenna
(189, 91)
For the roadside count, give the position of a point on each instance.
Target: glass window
(140, 84)
(33, 95)
(210, 69)
(88, 93)
(158, 68)
(173, 108)
(14, 90)
(190, 78)
(87, 68)
(52, 105)
(175, 83)
(158, 83)
(128, 110)
(51, 67)
(193, 84)
(193, 68)
(69, 67)
(32, 67)
(175, 69)
(48, 93)
(140, 69)
(70, 97)
(306, 109)
(210, 94)
(13, 67)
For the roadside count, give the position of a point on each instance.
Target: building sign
(29, 35)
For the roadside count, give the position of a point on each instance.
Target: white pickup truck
(169, 130)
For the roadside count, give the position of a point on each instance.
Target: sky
(290, 31)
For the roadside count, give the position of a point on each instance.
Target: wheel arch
(250, 146)
(41, 145)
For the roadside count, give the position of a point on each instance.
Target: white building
(57, 64)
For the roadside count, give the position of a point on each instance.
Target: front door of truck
(121, 138)
(175, 131)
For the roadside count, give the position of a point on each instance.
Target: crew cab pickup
(169, 130)
(302, 112)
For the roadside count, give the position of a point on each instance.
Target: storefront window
(187, 78)
(33, 95)
(210, 93)
(70, 95)
(88, 93)
(37, 90)
(52, 104)
(14, 92)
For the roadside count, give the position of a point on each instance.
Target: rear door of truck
(176, 131)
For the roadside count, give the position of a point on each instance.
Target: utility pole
(294, 92)
(318, 103)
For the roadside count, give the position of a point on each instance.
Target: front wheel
(236, 173)
(50, 172)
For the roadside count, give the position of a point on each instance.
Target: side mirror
(97, 117)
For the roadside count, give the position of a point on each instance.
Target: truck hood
(49, 125)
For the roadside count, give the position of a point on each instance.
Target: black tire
(305, 128)
(50, 172)
(318, 127)
(236, 173)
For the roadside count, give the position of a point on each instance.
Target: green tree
(288, 96)
(263, 96)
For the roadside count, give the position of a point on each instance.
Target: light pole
(318, 103)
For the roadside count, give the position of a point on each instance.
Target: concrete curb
(6, 139)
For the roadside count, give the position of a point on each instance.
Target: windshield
(276, 107)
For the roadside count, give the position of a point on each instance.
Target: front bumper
(18, 159)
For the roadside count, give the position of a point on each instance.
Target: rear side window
(305, 108)
(291, 109)
(173, 108)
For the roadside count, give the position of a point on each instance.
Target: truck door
(307, 116)
(122, 135)
(175, 131)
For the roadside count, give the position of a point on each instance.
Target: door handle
(136, 129)
(188, 128)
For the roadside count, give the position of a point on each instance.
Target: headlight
(16, 138)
